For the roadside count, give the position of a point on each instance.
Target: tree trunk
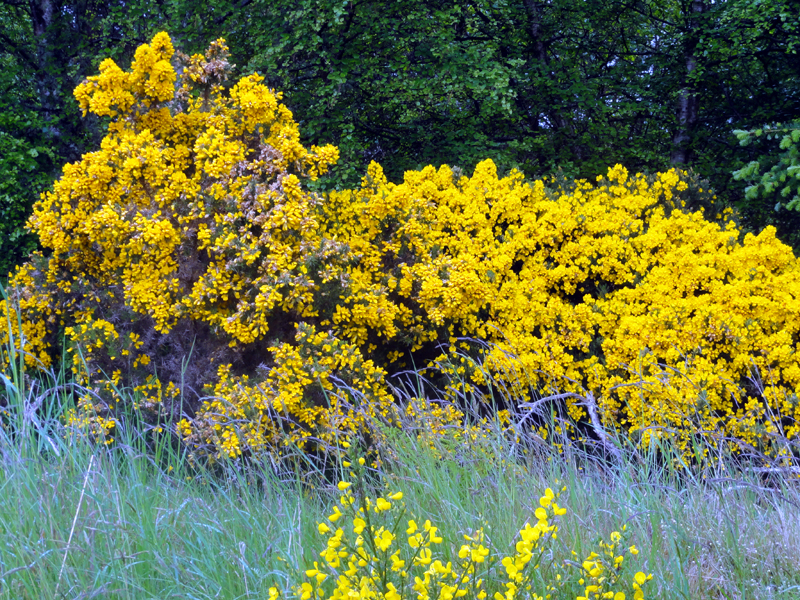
(555, 116)
(58, 27)
(688, 100)
(42, 14)
(534, 10)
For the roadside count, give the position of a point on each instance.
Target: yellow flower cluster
(319, 388)
(86, 421)
(190, 236)
(372, 550)
(189, 221)
(601, 572)
(660, 320)
(115, 92)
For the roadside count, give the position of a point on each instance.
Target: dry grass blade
(74, 521)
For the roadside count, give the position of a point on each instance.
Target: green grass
(137, 521)
(77, 521)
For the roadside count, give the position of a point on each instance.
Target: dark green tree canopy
(569, 85)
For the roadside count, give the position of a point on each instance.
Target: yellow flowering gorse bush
(187, 261)
(609, 294)
(187, 233)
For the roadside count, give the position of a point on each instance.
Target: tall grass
(81, 520)
(94, 522)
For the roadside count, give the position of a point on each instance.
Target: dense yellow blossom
(187, 260)
(188, 231)
(658, 318)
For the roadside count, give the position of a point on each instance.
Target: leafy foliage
(537, 86)
(771, 195)
(25, 166)
(782, 180)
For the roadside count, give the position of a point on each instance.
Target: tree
(26, 158)
(538, 85)
(781, 181)
(688, 99)
(574, 85)
(774, 177)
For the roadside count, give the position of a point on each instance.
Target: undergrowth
(81, 520)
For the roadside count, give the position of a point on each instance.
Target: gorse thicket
(187, 266)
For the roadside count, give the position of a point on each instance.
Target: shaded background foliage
(575, 85)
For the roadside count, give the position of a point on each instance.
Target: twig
(534, 405)
(15, 569)
(775, 470)
(591, 407)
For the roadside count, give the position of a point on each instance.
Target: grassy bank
(78, 521)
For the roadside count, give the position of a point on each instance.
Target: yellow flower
(392, 593)
(383, 539)
(306, 591)
(358, 525)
